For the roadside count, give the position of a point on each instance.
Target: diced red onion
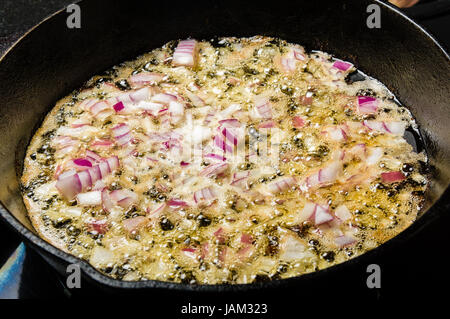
(322, 215)
(177, 203)
(140, 95)
(146, 78)
(95, 173)
(306, 99)
(329, 173)
(118, 106)
(230, 123)
(82, 162)
(375, 155)
(392, 177)
(397, 128)
(124, 197)
(157, 211)
(239, 177)
(204, 194)
(220, 235)
(220, 142)
(80, 123)
(288, 62)
(164, 98)
(99, 107)
(342, 213)
(246, 239)
(132, 225)
(99, 226)
(214, 169)
(263, 108)
(190, 252)
(92, 156)
(185, 53)
(342, 66)
(308, 211)
(85, 179)
(98, 185)
(230, 110)
(298, 122)
(195, 99)
(69, 186)
(344, 240)
(87, 104)
(122, 134)
(298, 54)
(230, 135)
(267, 124)
(282, 185)
(102, 143)
(367, 104)
(216, 157)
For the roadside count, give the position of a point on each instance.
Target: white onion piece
(92, 198)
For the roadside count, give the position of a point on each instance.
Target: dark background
(417, 271)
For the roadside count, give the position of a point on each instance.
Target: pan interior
(53, 60)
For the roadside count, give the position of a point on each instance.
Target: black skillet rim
(431, 214)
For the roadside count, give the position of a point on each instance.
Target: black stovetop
(26, 275)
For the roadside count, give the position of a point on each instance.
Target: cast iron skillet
(52, 60)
